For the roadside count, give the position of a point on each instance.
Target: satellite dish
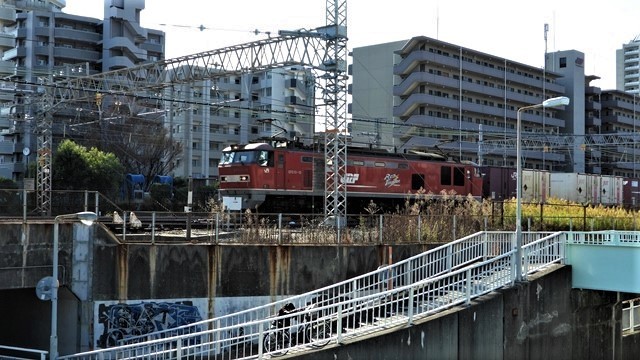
(44, 287)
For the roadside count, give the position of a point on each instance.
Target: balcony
(8, 15)
(9, 147)
(76, 35)
(79, 55)
(592, 105)
(592, 120)
(7, 41)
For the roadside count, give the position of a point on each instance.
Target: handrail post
(562, 247)
(485, 245)
(96, 196)
(468, 287)
(339, 325)
(124, 226)
(217, 227)
(260, 340)
(525, 262)
(153, 228)
(419, 229)
(380, 229)
(449, 257)
(179, 349)
(24, 205)
(280, 229)
(410, 309)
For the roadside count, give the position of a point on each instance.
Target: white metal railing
(394, 295)
(607, 237)
(630, 316)
(18, 352)
(443, 259)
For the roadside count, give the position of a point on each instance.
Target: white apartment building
(628, 67)
(234, 109)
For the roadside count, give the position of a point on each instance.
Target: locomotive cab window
(265, 158)
(245, 157)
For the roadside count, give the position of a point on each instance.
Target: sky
(507, 28)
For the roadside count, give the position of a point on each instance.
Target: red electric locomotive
(288, 179)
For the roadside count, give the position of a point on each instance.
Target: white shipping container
(579, 188)
(611, 189)
(535, 186)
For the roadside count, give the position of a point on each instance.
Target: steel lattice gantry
(335, 132)
(539, 141)
(323, 49)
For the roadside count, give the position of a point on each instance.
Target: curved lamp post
(553, 102)
(87, 218)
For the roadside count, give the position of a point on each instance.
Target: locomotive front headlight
(244, 178)
(223, 179)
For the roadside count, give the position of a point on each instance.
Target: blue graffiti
(126, 321)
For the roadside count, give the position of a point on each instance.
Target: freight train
(499, 183)
(284, 177)
(290, 178)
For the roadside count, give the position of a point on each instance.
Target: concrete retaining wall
(543, 318)
(540, 319)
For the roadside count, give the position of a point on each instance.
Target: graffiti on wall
(125, 321)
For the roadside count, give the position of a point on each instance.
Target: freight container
(576, 187)
(611, 192)
(498, 183)
(631, 192)
(535, 186)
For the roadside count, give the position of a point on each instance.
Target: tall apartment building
(441, 91)
(628, 67)
(271, 104)
(620, 115)
(372, 106)
(458, 100)
(39, 40)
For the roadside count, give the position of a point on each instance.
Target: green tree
(76, 168)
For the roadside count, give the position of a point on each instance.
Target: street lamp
(553, 102)
(87, 218)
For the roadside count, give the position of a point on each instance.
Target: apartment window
(563, 62)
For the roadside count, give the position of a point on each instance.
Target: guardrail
(12, 352)
(393, 295)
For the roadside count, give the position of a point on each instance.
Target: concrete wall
(97, 270)
(540, 319)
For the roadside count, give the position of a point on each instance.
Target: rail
(395, 295)
(18, 351)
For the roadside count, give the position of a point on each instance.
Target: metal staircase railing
(392, 296)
